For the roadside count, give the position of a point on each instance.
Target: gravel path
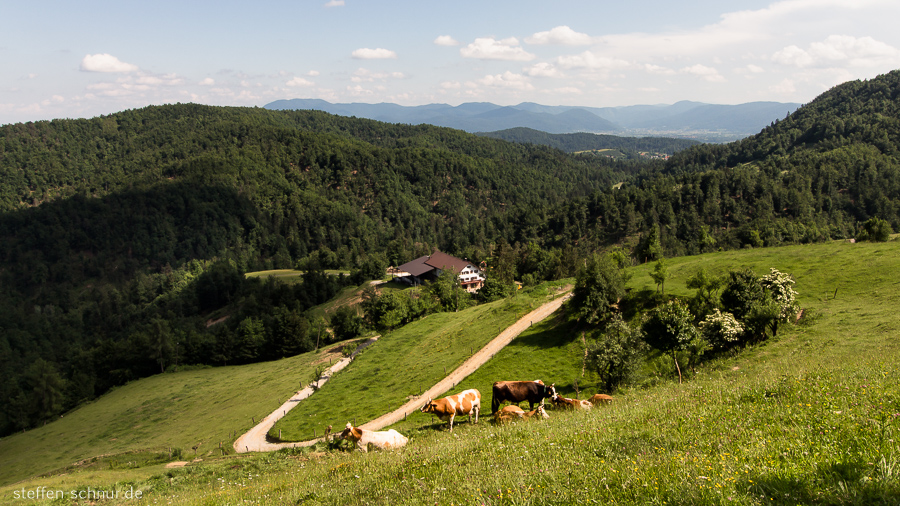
(255, 439)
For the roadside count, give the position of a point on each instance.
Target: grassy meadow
(404, 363)
(808, 417)
(160, 414)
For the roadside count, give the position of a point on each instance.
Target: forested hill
(110, 229)
(817, 175)
(856, 113)
(571, 143)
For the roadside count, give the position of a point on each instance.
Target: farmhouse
(429, 267)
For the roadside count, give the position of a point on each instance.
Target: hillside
(805, 417)
(130, 232)
(124, 239)
(572, 143)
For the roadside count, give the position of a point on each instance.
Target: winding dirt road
(255, 439)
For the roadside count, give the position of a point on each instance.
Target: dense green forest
(124, 238)
(571, 143)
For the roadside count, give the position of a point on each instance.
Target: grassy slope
(171, 410)
(403, 363)
(808, 417)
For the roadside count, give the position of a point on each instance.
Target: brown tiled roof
(436, 260)
(416, 267)
(445, 262)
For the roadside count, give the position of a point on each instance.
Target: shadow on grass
(551, 333)
(830, 483)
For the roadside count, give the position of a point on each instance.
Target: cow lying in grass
(601, 399)
(561, 402)
(464, 403)
(385, 440)
(513, 412)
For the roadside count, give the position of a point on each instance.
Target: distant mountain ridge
(685, 119)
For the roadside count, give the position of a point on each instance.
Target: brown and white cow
(601, 399)
(566, 403)
(518, 391)
(466, 402)
(386, 440)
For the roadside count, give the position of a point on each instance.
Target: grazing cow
(386, 440)
(601, 399)
(463, 403)
(566, 403)
(518, 391)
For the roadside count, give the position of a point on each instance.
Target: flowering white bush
(721, 329)
(779, 286)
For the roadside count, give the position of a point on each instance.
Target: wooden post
(253, 419)
(314, 433)
(279, 433)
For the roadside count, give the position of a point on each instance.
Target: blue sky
(65, 59)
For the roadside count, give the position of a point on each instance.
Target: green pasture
(404, 363)
(290, 275)
(162, 413)
(808, 417)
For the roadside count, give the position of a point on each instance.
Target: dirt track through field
(255, 439)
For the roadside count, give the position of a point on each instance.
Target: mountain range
(685, 119)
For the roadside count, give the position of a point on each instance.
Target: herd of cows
(468, 403)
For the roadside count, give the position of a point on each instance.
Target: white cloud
(299, 81)
(589, 60)
(105, 63)
(334, 3)
(561, 35)
(793, 55)
(373, 54)
(451, 85)
(708, 73)
(784, 87)
(359, 91)
(446, 40)
(367, 76)
(487, 48)
(656, 69)
(209, 81)
(313, 73)
(542, 69)
(753, 69)
(566, 90)
(507, 80)
(840, 50)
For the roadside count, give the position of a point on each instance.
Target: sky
(67, 59)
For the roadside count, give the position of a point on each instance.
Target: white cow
(386, 440)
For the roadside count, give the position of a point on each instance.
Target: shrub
(616, 354)
(721, 330)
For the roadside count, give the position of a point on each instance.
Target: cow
(386, 440)
(513, 412)
(566, 403)
(518, 391)
(466, 402)
(537, 413)
(600, 399)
